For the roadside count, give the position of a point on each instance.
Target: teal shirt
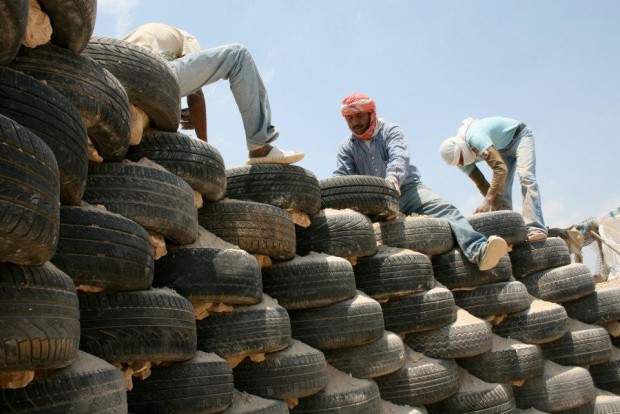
(495, 130)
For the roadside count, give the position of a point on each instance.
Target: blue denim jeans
(418, 198)
(520, 156)
(232, 62)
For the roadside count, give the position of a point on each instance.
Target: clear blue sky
(554, 64)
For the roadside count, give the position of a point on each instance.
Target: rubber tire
(257, 228)
(143, 325)
(295, 372)
(493, 299)
(204, 384)
(147, 78)
(53, 118)
(598, 308)
(284, 186)
(96, 93)
(244, 403)
(374, 359)
(485, 398)
(230, 276)
(157, 200)
(342, 395)
(561, 284)
(528, 258)
(99, 248)
(583, 345)
(559, 388)
(310, 281)
(606, 376)
(73, 21)
(424, 311)
(422, 380)
(39, 318)
(337, 233)
(197, 162)
(538, 324)
(29, 196)
(454, 271)
(465, 337)
(507, 224)
(393, 273)
(508, 361)
(368, 195)
(13, 20)
(246, 330)
(88, 385)
(427, 235)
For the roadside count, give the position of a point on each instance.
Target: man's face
(358, 123)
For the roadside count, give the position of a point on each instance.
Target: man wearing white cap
(506, 145)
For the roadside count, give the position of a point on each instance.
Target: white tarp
(609, 230)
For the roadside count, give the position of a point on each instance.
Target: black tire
(88, 385)
(561, 284)
(422, 380)
(374, 359)
(204, 384)
(39, 318)
(309, 281)
(244, 403)
(246, 330)
(465, 337)
(257, 228)
(422, 234)
(424, 311)
(493, 299)
(351, 322)
(542, 322)
(453, 271)
(368, 195)
(508, 361)
(148, 80)
(96, 93)
(295, 372)
(54, 119)
(157, 200)
(598, 308)
(337, 233)
(476, 396)
(559, 388)
(29, 196)
(342, 395)
(606, 376)
(507, 224)
(230, 276)
(197, 162)
(73, 21)
(528, 258)
(13, 20)
(582, 345)
(143, 325)
(103, 249)
(604, 403)
(284, 186)
(393, 273)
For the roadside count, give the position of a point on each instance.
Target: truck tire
(73, 21)
(13, 20)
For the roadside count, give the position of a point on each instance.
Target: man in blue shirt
(379, 148)
(506, 145)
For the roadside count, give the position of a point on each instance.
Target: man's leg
(526, 168)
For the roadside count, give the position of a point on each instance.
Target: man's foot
(494, 249)
(273, 155)
(536, 234)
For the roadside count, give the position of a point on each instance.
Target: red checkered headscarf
(356, 103)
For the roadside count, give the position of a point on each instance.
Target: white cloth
(454, 148)
(167, 41)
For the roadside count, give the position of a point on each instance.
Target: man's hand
(186, 119)
(487, 204)
(393, 182)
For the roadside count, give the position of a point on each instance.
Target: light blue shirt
(495, 130)
(387, 154)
